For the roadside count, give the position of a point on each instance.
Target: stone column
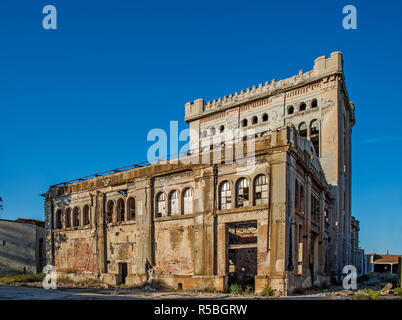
(101, 232)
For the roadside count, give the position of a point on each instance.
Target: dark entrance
(123, 272)
(242, 254)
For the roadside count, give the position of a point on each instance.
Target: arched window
(225, 196)
(76, 217)
(160, 205)
(302, 106)
(314, 103)
(109, 211)
(291, 110)
(188, 201)
(303, 130)
(244, 123)
(242, 194)
(213, 131)
(265, 117)
(221, 128)
(254, 120)
(174, 203)
(86, 215)
(315, 136)
(59, 219)
(121, 210)
(131, 209)
(261, 190)
(68, 218)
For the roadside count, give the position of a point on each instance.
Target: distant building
(22, 246)
(385, 263)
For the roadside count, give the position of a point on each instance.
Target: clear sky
(82, 98)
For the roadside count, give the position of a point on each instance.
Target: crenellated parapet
(322, 67)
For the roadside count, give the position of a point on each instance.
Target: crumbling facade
(277, 217)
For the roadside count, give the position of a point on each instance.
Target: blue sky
(82, 98)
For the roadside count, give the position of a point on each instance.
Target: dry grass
(16, 278)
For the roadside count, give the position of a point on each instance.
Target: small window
(86, 219)
(131, 209)
(314, 103)
(244, 123)
(302, 106)
(265, 117)
(221, 128)
(109, 211)
(261, 190)
(174, 203)
(242, 193)
(225, 196)
(213, 131)
(291, 110)
(188, 201)
(254, 120)
(68, 218)
(303, 129)
(160, 205)
(76, 217)
(204, 133)
(121, 210)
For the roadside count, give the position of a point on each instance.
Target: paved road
(34, 293)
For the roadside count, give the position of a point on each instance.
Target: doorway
(123, 272)
(242, 254)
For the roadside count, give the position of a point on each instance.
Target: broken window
(315, 209)
(131, 209)
(242, 194)
(76, 217)
(86, 215)
(120, 210)
(109, 211)
(225, 196)
(291, 110)
(188, 201)
(68, 218)
(315, 136)
(174, 203)
(254, 120)
(302, 106)
(303, 130)
(160, 205)
(301, 193)
(314, 103)
(261, 190)
(264, 117)
(59, 223)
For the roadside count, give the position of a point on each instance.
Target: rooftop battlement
(323, 66)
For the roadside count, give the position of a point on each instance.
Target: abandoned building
(384, 263)
(22, 246)
(284, 222)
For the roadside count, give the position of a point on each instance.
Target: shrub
(267, 292)
(398, 291)
(235, 288)
(373, 294)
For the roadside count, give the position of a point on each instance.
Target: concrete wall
(19, 247)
